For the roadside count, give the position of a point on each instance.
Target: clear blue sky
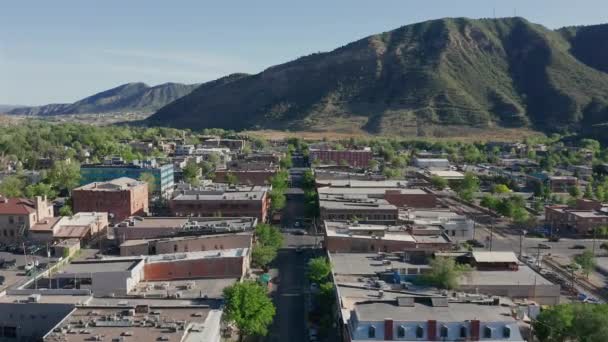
(61, 51)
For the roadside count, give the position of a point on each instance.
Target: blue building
(116, 168)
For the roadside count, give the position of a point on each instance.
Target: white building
(457, 227)
(432, 163)
(184, 150)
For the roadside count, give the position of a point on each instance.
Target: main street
(290, 289)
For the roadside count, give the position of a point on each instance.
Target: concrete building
(344, 237)
(81, 226)
(355, 158)
(120, 198)
(248, 201)
(431, 163)
(247, 172)
(116, 168)
(456, 227)
(431, 319)
(19, 215)
(399, 197)
(30, 320)
(138, 228)
(233, 144)
(362, 208)
(186, 244)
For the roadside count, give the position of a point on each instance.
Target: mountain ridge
(128, 97)
(452, 71)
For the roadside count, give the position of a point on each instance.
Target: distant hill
(6, 107)
(505, 72)
(130, 97)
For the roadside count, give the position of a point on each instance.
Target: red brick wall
(388, 329)
(475, 330)
(246, 177)
(225, 208)
(354, 158)
(432, 330)
(190, 269)
(121, 204)
(395, 197)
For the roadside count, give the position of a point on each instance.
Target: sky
(64, 50)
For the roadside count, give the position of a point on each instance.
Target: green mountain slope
(130, 97)
(482, 73)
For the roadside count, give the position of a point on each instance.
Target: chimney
(40, 208)
(474, 330)
(388, 329)
(432, 330)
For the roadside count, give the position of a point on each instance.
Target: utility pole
(491, 232)
(521, 242)
(594, 235)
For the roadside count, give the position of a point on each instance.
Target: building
(345, 237)
(117, 168)
(425, 318)
(586, 216)
(184, 244)
(241, 201)
(562, 183)
(233, 144)
(431, 163)
(81, 226)
(399, 197)
(137, 228)
(355, 158)
(19, 215)
(361, 208)
(225, 263)
(456, 227)
(247, 172)
(30, 320)
(449, 175)
(175, 323)
(184, 150)
(120, 198)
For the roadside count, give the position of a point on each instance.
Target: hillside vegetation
(442, 73)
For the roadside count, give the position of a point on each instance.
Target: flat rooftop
(524, 275)
(222, 196)
(365, 264)
(350, 183)
(99, 266)
(453, 312)
(446, 174)
(136, 242)
(368, 190)
(355, 204)
(219, 253)
(118, 184)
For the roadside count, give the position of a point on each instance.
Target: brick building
(247, 172)
(338, 207)
(582, 219)
(356, 158)
(185, 244)
(19, 215)
(344, 237)
(120, 198)
(562, 183)
(248, 201)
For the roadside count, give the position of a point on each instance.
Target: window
(401, 331)
(175, 248)
(463, 331)
(11, 219)
(444, 331)
(419, 332)
(371, 332)
(487, 332)
(506, 332)
(12, 232)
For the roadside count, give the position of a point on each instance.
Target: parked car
(475, 243)
(554, 238)
(578, 247)
(543, 246)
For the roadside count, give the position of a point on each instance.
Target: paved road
(289, 296)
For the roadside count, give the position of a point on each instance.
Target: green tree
(588, 191)
(445, 273)
(468, 186)
(489, 201)
(554, 324)
(318, 269)
(286, 162)
(191, 172)
(248, 307)
(263, 255)
(501, 189)
(231, 178)
(149, 179)
(64, 176)
(575, 192)
(308, 180)
(572, 322)
(373, 164)
(586, 261)
(12, 186)
(439, 183)
(40, 189)
(66, 210)
(268, 235)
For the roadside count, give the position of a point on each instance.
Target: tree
(575, 192)
(231, 178)
(489, 201)
(149, 178)
(439, 183)
(588, 191)
(586, 261)
(444, 272)
(263, 255)
(373, 165)
(40, 189)
(318, 269)
(66, 210)
(286, 162)
(572, 322)
(308, 180)
(64, 176)
(248, 307)
(554, 323)
(191, 172)
(468, 186)
(12, 186)
(501, 189)
(268, 235)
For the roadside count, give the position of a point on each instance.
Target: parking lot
(16, 267)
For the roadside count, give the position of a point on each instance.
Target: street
(290, 290)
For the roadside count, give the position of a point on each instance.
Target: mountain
(7, 107)
(130, 97)
(505, 72)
